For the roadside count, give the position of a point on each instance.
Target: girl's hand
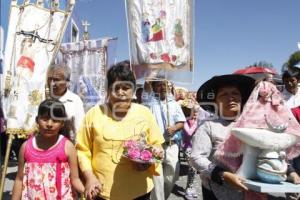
(141, 166)
(92, 189)
(234, 180)
(294, 177)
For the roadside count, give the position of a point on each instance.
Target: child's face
(194, 114)
(49, 127)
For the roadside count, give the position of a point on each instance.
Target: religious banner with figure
(161, 38)
(89, 61)
(35, 31)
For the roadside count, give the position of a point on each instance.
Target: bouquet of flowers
(139, 151)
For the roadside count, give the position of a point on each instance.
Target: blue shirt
(165, 115)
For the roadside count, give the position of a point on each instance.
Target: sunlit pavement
(179, 189)
(9, 180)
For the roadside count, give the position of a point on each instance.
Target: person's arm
(17, 189)
(72, 158)
(201, 149)
(294, 178)
(178, 116)
(176, 127)
(220, 175)
(84, 145)
(291, 172)
(92, 186)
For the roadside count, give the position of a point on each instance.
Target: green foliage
(293, 60)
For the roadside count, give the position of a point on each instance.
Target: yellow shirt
(100, 147)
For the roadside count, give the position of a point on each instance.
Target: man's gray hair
(65, 68)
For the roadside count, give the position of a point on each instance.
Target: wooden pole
(4, 168)
(168, 113)
(167, 105)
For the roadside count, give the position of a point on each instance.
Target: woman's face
(120, 95)
(229, 102)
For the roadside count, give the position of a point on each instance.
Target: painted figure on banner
(25, 70)
(157, 31)
(33, 37)
(89, 60)
(87, 93)
(161, 44)
(146, 27)
(25, 64)
(178, 35)
(157, 27)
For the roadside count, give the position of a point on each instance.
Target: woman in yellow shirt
(100, 140)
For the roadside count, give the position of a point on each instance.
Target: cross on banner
(85, 24)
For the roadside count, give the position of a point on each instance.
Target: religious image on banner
(34, 35)
(161, 38)
(89, 61)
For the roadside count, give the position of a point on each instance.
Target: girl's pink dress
(46, 172)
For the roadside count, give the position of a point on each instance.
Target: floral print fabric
(46, 173)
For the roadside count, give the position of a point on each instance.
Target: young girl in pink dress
(189, 129)
(47, 166)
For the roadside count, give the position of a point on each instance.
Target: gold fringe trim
(21, 133)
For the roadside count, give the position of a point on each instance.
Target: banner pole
(4, 168)
(167, 108)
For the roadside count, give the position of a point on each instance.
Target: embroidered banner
(89, 61)
(161, 38)
(34, 34)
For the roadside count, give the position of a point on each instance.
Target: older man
(58, 77)
(170, 119)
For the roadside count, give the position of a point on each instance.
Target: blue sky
(229, 34)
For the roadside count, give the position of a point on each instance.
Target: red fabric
(255, 70)
(296, 113)
(26, 62)
(157, 36)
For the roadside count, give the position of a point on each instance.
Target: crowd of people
(80, 155)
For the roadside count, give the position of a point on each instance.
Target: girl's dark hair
(120, 72)
(53, 109)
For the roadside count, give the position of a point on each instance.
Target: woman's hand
(294, 177)
(92, 189)
(234, 180)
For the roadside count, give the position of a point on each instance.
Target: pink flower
(51, 189)
(131, 144)
(146, 155)
(133, 153)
